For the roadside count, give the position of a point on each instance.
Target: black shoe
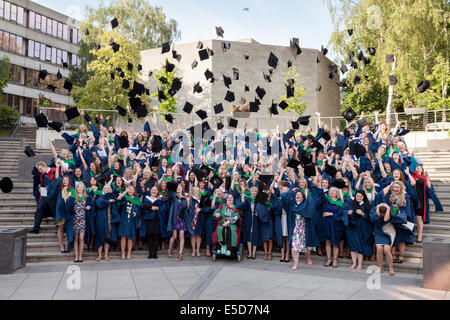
(155, 256)
(35, 231)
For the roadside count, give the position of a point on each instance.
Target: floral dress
(79, 220)
(299, 238)
(180, 224)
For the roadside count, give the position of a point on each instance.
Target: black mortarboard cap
(423, 86)
(125, 84)
(6, 185)
(176, 85)
(246, 89)
(390, 58)
(294, 48)
(246, 57)
(290, 133)
(203, 172)
(114, 23)
(209, 75)
(316, 144)
(65, 64)
(357, 149)
(87, 117)
(344, 69)
(205, 201)
(203, 54)
(338, 150)
(216, 181)
(122, 111)
(198, 88)
(342, 83)
(130, 120)
(290, 90)
(293, 163)
(356, 80)
(202, 114)
(68, 85)
(235, 73)
(354, 65)
(362, 122)
(360, 55)
(199, 45)
(339, 183)
(165, 47)
(176, 55)
(139, 67)
(169, 118)
(272, 61)
(289, 63)
(141, 111)
(41, 120)
(161, 95)
(324, 51)
(310, 171)
(260, 92)
(210, 52)
(115, 46)
(304, 121)
(242, 100)
(403, 132)
(123, 142)
(59, 75)
(188, 107)
(283, 105)
(233, 123)
(273, 109)
(156, 143)
(29, 152)
(220, 125)
(218, 108)
(317, 59)
(325, 136)
(229, 96)
(295, 125)
(366, 61)
(254, 107)
(331, 75)
(372, 51)
(194, 64)
(319, 87)
(219, 31)
(392, 80)
(304, 159)
(43, 74)
(169, 66)
(129, 66)
(261, 197)
(226, 81)
(330, 170)
(350, 32)
(55, 125)
(71, 113)
(172, 186)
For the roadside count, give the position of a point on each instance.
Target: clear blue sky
(268, 21)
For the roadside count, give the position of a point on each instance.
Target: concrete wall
(251, 74)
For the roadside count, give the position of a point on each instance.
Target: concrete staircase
(18, 207)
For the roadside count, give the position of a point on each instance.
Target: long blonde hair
(401, 197)
(84, 196)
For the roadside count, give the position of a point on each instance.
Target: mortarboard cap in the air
(310, 171)
(273, 108)
(350, 32)
(129, 66)
(205, 201)
(58, 75)
(172, 186)
(169, 66)
(6, 185)
(123, 142)
(316, 144)
(304, 159)
(220, 126)
(219, 31)
(290, 90)
(203, 172)
(392, 80)
(294, 48)
(423, 86)
(29, 152)
(260, 92)
(141, 110)
(342, 83)
(356, 80)
(246, 89)
(293, 163)
(360, 55)
(156, 143)
(272, 61)
(357, 149)
(324, 51)
(283, 105)
(165, 47)
(390, 58)
(188, 107)
(122, 111)
(325, 136)
(319, 87)
(68, 85)
(203, 54)
(403, 132)
(290, 133)
(114, 23)
(65, 64)
(232, 123)
(265, 178)
(254, 107)
(71, 113)
(344, 69)
(169, 118)
(372, 51)
(226, 81)
(115, 46)
(194, 64)
(330, 170)
(202, 114)
(304, 121)
(235, 73)
(176, 55)
(55, 125)
(125, 84)
(229, 96)
(198, 88)
(216, 181)
(41, 120)
(295, 125)
(209, 75)
(339, 183)
(130, 120)
(218, 108)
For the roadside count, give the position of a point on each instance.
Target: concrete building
(312, 74)
(34, 38)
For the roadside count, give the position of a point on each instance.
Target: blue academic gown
(333, 227)
(252, 229)
(404, 235)
(307, 210)
(382, 238)
(103, 231)
(128, 225)
(173, 213)
(149, 215)
(359, 230)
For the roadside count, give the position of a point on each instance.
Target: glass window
(12, 42)
(49, 26)
(31, 19)
(79, 36)
(2, 7)
(5, 41)
(74, 59)
(7, 10)
(38, 22)
(19, 45)
(54, 55)
(74, 35)
(65, 32)
(20, 15)
(59, 30)
(35, 78)
(48, 54)
(37, 46)
(18, 76)
(29, 77)
(64, 56)
(44, 24)
(13, 12)
(54, 28)
(42, 52)
(30, 48)
(58, 56)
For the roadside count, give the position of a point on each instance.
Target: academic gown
(382, 238)
(252, 229)
(332, 227)
(359, 230)
(154, 218)
(106, 231)
(173, 213)
(128, 224)
(306, 209)
(404, 235)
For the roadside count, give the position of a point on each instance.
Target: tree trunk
(390, 98)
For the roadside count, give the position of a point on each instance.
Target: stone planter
(241, 114)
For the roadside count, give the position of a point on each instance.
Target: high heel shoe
(327, 264)
(180, 257)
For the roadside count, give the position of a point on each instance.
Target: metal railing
(16, 126)
(428, 121)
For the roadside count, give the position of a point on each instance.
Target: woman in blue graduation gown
(282, 224)
(129, 210)
(359, 230)
(331, 229)
(197, 218)
(106, 220)
(178, 218)
(302, 237)
(152, 211)
(62, 216)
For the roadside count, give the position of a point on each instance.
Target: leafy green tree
(415, 32)
(100, 91)
(147, 25)
(4, 73)
(79, 76)
(8, 115)
(168, 104)
(294, 103)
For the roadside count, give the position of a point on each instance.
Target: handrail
(16, 126)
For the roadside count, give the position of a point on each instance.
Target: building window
(54, 55)
(31, 19)
(38, 22)
(37, 46)
(19, 45)
(5, 44)
(54, 28)
(7, 11)
(13, 13)
(49, 26)
(42, 57)
(64, 56)
(48, 54)
(60, 30)
(44, 24)
(74, 35)
(58, 56)
(20, 15)
(12, 42)
(65, 32)
(2, 8)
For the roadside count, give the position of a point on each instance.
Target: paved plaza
(199, 279)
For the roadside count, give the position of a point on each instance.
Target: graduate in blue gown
(107, 219)
(64, 191)
(129, 209)
(359, 230)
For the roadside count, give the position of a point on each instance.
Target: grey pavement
(200, 279)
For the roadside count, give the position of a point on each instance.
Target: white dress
(284, 226)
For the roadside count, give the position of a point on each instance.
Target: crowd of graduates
(359, 193)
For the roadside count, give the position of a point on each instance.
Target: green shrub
(8, 115)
